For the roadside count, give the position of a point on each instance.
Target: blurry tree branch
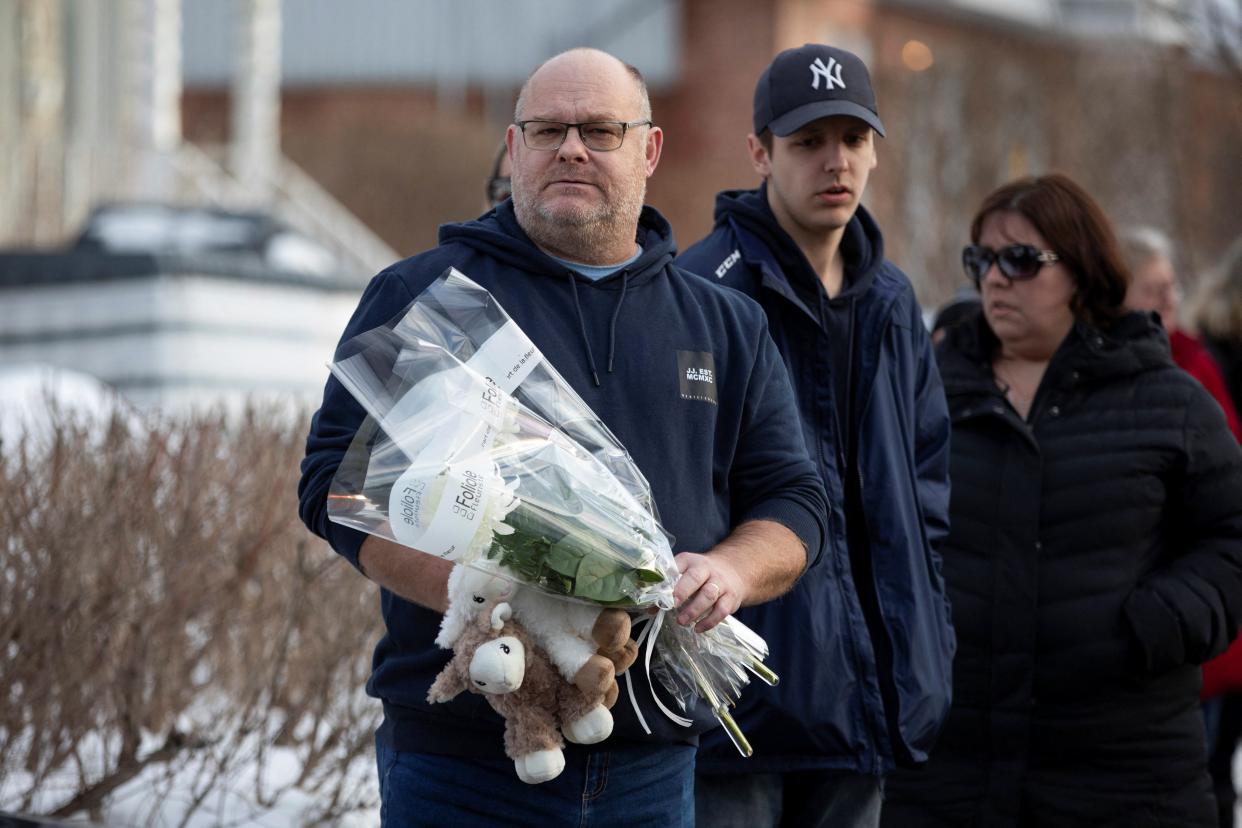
(164, 615)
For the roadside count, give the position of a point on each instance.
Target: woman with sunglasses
(1095, 552)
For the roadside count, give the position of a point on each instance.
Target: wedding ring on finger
(712, 589)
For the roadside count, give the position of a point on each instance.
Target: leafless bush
(164, 615)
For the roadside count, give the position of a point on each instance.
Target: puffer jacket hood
(1136, 343)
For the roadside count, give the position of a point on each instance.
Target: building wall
(1155, 138)
(180, 340)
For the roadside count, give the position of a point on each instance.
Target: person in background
(1094, 556)
(499, 186)
(868, 686)
(963, 307)
(681, 371)
(1217, 314)
(1154, 286)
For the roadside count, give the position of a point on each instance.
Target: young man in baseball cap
(864, 646)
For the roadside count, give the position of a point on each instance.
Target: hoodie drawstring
(848, 435)
(612, 329)
(573, 288)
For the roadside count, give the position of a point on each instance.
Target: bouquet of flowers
(476, 450)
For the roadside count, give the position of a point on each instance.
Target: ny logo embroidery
(830, 73)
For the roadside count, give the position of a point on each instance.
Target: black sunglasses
(1017, 261)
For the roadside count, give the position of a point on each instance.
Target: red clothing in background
(1192, 357)
(1223, 673)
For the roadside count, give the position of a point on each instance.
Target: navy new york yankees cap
(812, 82)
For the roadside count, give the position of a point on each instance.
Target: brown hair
(1079, 233)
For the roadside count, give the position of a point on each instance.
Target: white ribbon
(648, 635)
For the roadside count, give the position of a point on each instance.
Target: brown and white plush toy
(494, 656)
(588, 644)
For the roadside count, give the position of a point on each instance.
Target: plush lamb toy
(589, 645)
(495, 657)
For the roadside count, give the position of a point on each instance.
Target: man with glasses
(872, 624)
(680, 370)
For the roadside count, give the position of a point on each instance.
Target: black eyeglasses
(499, 187)
(1016, 262)
(600, 136)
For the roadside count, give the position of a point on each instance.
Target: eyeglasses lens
(1017, 261)
(549, 135)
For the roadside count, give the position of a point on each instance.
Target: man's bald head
(581, 62)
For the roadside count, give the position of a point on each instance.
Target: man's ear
(512, 134)
(655, 145)
(760, 159)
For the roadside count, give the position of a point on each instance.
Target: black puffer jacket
(1094, 560)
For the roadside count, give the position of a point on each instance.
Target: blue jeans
(636, 786)
(814, 799)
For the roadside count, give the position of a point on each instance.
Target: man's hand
(760, 560)
(708, 590)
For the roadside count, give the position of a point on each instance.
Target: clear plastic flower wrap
(476, 449)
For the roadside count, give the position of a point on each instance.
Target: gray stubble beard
(580, 235)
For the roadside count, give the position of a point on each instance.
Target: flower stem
(764, 673)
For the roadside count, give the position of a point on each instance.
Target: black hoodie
(718, 447)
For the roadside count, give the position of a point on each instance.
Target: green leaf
(649, 576)
(564, 557)
(600, 580)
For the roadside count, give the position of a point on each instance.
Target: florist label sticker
(440, 513)
(507, 357)
(437, 504)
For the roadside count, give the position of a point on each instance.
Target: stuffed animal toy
(494, 656)
(589, 645)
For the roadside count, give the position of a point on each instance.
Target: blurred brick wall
(390, 155)
(1153, 138)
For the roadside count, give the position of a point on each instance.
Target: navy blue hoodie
(725, 449)
(869, 685)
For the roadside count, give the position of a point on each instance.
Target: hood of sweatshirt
(498, 235)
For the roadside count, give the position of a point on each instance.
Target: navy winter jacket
(718, 448)
(853, 696)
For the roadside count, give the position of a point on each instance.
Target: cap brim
(796, 119)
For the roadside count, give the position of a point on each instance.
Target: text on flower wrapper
(412, 504)
(517, 366)
(492, 398)
(466, 504)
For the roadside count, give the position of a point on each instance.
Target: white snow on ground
(28, 391)
(257, 781)
(258, 794)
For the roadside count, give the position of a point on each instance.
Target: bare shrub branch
(161, 607)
